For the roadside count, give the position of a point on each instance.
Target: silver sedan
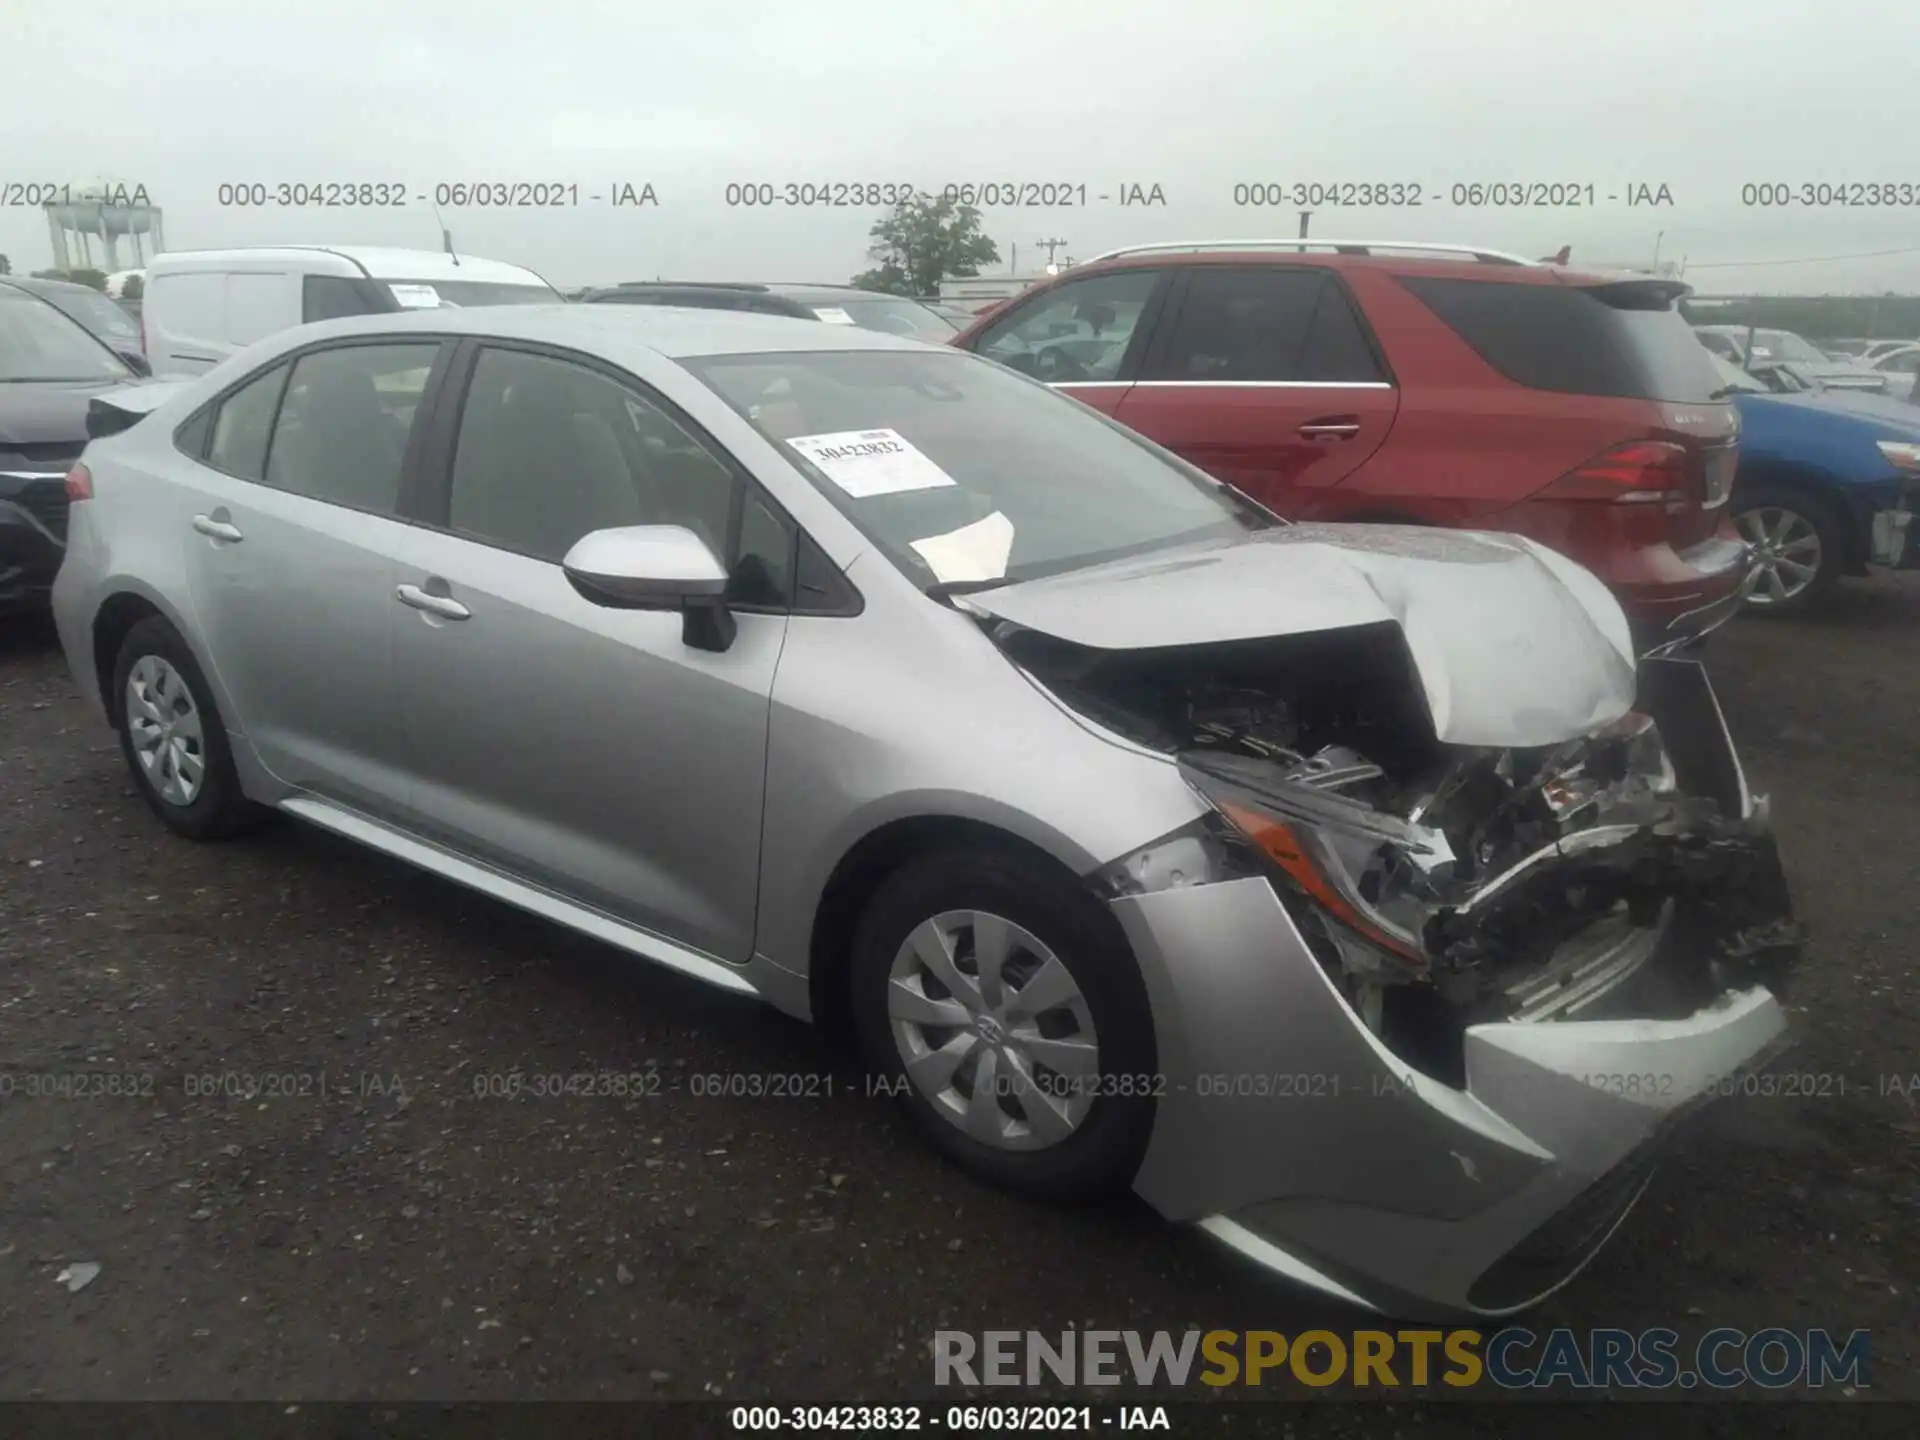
(1353, 892)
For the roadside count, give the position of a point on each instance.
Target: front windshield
(455, 294)
(99, 314)
(1785, 345)
(1732, 377)
(963, 472)
(892, 316)
(38, 342)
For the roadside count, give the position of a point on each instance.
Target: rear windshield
(890, 315)
(1625, 341)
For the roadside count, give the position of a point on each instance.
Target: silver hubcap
(164, 724)
(993, 1030)
(1786, 552)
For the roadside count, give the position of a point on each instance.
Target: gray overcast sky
(1194, 96)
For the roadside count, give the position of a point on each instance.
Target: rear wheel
(1799, 547)
(1004, 1009)
(172, 737)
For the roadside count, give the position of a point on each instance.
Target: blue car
(1826, 486)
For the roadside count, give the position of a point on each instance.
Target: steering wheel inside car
(1054, 365)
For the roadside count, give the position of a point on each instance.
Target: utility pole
(1051, 246)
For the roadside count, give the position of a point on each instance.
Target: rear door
(1264, 377)
(290, 542)
(1084, 337)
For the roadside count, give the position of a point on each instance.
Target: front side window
(1075, 332)
(335, 297)
(243, 424)
(38, 342)
(962, 472)
(342, 431)
(550, 450)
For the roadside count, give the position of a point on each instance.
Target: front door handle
(445, 606)
(217, 529)
(1329, 430)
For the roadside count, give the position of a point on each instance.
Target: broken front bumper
(1290, 1131)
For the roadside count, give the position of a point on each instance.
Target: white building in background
(107, 211)
(986, 287)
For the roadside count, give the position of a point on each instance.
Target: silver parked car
(1342, 889)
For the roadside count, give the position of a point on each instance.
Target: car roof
(671, 331)
(803, 290)
(379, 262)
(1408, 264)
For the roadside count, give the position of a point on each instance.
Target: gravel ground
(399, 1237)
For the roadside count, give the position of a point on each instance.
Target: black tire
(1102, 1155)
(1816, 515)
(219, 808)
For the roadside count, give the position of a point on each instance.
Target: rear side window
(343, 427)
(1626, 340)
(243, 423)
(1266, 324)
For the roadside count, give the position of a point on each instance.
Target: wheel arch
(1823, 488)
(867, 863)
(125, 605)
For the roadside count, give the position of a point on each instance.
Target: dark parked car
(113, 324)
(1426, 384)
(51, 367)
(835, 304)
(1827, 485)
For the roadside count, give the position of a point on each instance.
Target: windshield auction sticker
(871, 462)
(834, 315)
(415, 297)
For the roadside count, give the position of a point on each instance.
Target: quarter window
(1076, 332)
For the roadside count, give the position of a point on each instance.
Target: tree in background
(135, 288)
(924, 241)
(6, 266)
(95, 279)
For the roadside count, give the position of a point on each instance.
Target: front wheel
(1004, 1008)
(1799, 548)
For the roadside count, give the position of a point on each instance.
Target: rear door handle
(445, 606)
(1329, 430)
(217, 529)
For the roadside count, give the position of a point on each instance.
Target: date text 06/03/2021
(956, 1419)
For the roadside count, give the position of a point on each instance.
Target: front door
(585, 749)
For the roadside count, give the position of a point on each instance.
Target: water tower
(107, 209)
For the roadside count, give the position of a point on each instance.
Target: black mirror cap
(137, 363)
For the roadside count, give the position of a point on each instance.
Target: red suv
(1425, 384)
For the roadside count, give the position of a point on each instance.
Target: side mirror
(656, 567)
(136, 362)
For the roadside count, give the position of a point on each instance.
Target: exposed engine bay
(1625, 872)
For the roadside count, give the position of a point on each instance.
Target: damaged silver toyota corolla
(1350, 891)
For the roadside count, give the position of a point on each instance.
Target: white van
(200, 306)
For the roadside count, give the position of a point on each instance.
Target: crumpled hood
(1514, 644)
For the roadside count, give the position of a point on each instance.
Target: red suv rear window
(1626, 340)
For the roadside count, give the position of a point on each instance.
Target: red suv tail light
(1640, 472)
(79, 484)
